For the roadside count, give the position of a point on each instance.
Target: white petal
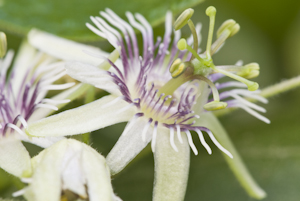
(83, 119)
(92, 75)
(72, 175)
(14, 158)
(46, 184)
(62, 48)
(97, 175)
(128, 146)
(171, 167)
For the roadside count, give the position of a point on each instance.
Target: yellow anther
(210, 11)
(183, 18)
(230, 25)
(181, 44)
(215, 105)
(177, 68)
(3, 44)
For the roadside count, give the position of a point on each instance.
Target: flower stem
(236, 164)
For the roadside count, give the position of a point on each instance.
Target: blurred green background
(269, 35)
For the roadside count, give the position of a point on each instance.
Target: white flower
(160, 108)
(69, 166)
(22, 100)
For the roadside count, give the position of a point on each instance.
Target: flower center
(201, 66)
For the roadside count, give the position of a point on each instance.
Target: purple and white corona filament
(23, 91)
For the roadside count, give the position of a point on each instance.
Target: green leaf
(67, 18)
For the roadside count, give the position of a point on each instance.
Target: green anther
(252, 86)
(177, 68)
(230, 25)
(181, 44)
(215, 105)
(183, 18)
(3, 44)
(249, 71)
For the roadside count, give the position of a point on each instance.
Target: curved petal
(171, 167)
(89, 117)
(129, 145)
(97, 175)
(14, 158)
(92, 75)
(64, 49)
(236, 164)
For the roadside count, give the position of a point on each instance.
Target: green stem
(236, 164)
(281, 87)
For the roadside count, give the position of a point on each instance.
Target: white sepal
(171, 167)
(128, 145)
(14, 158)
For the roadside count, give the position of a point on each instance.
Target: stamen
(27, 180)
(22, 120)
(216, 104)
(131, 123)
(190, 140)
(172, 139)
(113, 102)
(183, 18)
(16, 128)
(153, 142)
(229, 25)
(212, 137)
(211, 12)
(58, 86)
(179, 134)
(182, 45)
(144, 132)
(41, 105)
(253, 113)
(125, 108)
(252, 86)
(19, 193)
(248, 103)
(46, 100)
(202, 140)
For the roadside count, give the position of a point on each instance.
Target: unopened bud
(183, 18)
(3, 44)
